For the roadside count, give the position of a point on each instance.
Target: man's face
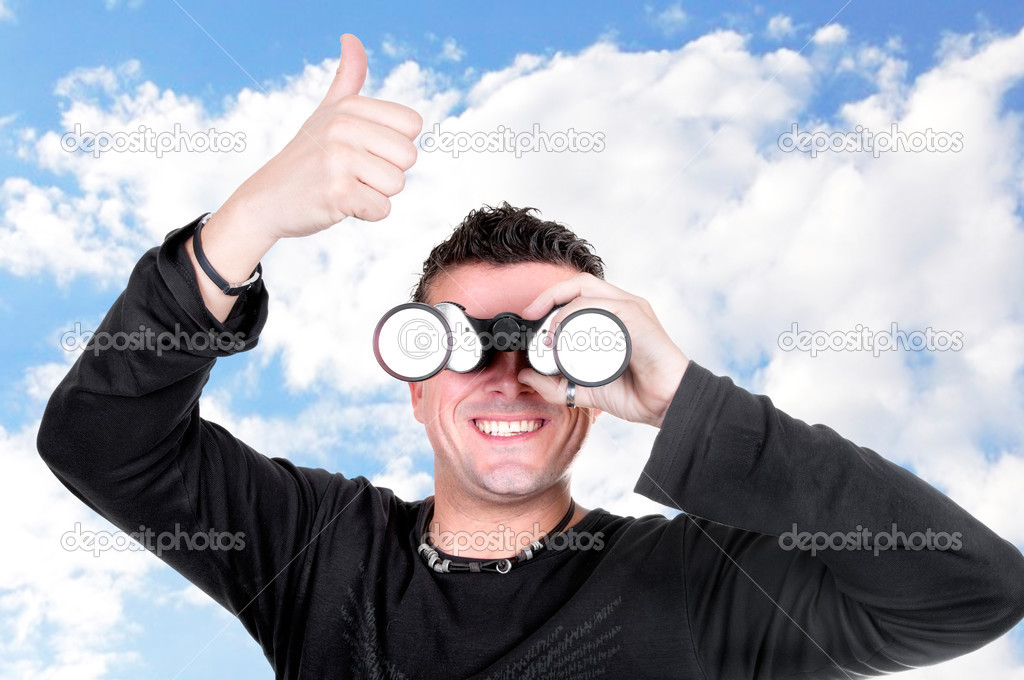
(459, 410)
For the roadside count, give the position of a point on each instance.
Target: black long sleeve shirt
(325, 575)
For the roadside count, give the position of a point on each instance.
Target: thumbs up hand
(347, 160)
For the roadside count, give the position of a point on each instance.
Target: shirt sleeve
(123, 432)
(807, 556)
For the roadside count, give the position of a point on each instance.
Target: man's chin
(514, 484)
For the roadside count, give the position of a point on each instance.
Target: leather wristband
(218, 280)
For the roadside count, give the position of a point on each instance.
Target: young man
(337, 578)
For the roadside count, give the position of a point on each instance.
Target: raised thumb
(351, 71)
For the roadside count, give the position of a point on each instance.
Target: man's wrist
(667, 394)
(223, 284)
(234, 250)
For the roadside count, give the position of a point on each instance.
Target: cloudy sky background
(691, 201)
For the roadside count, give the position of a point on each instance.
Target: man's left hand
(643, 393)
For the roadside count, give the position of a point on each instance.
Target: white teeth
(507, 428)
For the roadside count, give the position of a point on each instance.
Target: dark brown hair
(507, 235)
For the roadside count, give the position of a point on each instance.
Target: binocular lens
(467, 350)
(542, 357)
(412, 342)
(591, 347)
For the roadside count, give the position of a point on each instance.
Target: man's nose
(503, 372)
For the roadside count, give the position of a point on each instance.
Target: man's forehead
(486, 290)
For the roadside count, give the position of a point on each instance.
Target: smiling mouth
(508, 428)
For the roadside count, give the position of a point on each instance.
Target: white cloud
(450, 50)
(42, 380)
(780, 26)
(402, 477)
(670, 19)
(832, 34)
(887, 72)
(956, 46)
(84, 83)
(327, 430)
(42, 229)
(604, 477)
(394, 48)
(493, 81)
(5, 11)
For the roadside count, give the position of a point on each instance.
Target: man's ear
(416, 395)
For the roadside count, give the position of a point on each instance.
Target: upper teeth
(507, 428)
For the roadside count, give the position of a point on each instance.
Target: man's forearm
(115, 405)
(731, 457)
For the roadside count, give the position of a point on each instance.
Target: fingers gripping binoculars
(415, 341)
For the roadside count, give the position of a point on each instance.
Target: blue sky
(691, 97)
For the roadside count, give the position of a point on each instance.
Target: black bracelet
(218, 280)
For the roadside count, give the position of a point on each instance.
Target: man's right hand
(348, 159)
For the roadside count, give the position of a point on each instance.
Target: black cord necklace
(501, 566)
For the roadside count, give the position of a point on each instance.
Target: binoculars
(414, 341)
